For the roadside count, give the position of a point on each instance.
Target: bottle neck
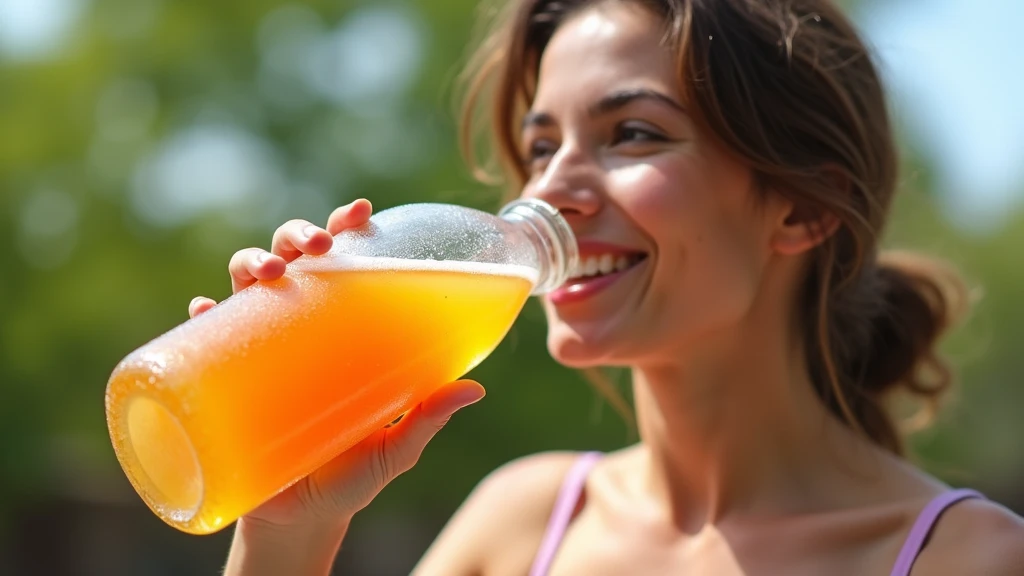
(551, 236)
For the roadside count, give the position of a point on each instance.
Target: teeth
(603, 264)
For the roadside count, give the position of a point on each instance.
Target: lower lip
(581, 289)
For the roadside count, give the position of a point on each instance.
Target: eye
(637, 133)
(539, 150)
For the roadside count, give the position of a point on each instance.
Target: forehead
(610, 46)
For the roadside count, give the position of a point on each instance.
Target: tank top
(572, 488)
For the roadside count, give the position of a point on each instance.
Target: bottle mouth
(555, 230)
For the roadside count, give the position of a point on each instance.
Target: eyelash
(544, 147)
(540, 149)
(648, 134)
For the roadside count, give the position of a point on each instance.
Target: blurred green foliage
(166, 135)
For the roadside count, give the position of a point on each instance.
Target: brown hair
(790, 89)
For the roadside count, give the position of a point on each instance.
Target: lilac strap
(561, 515)
(923, 527)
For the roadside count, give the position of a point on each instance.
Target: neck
(728, 432)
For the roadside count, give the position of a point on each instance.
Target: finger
(200, 304)
(404, 442)
(349, 216)
(297, 237)
(252, 264)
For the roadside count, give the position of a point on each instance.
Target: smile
(598, 269)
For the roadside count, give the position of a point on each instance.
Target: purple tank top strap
(562, 513)
(924, 525)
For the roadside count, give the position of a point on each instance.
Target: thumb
(451, 398)
(404, 443)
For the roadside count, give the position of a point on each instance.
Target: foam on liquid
(348, 262)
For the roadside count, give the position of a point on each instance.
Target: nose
(570, 184)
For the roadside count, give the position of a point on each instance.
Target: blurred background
(142, 142)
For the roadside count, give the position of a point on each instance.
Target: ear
(801, 228)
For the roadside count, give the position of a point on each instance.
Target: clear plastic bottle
(226, 410)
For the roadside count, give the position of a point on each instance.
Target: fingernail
(309, 231)
(263, 257)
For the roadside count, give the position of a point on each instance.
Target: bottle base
(162, 461)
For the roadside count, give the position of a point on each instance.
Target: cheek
(667, 201)
(708, 262)
(713, 279)
(651, 195)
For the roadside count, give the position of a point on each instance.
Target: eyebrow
(610, 103)
(617, 100)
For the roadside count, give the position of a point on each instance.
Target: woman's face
(674, 238)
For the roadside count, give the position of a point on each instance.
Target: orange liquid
(223, 412)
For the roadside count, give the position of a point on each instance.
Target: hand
(342, 487)
(291, 240)
(335, 492)
(299, 530)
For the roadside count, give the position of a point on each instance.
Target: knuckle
(252, 258)
(242, 260)
(307, 493)
(319, 498)
(313, 496)
(244, 253)
(439, 424)
(400, 458)
(236, 262)
(338, 215)
(279, 235)
(295, 225)
(401, 462)
(381, 463)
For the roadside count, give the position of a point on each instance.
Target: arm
(260, 549)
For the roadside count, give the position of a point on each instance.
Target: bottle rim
(566, 252)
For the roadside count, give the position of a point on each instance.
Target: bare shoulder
(530, 480)
(975, 537)
(502, 521)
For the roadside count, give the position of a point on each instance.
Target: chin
(577, 347)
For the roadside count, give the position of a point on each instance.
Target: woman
(738, 155)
